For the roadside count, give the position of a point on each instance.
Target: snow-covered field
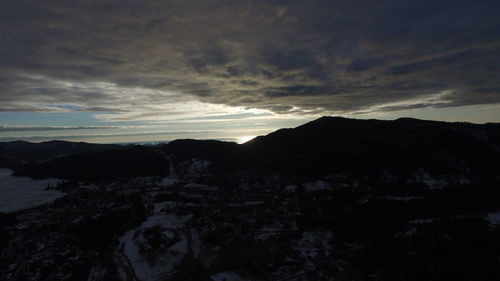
(17, 193)
(150, 262)
(493, 218)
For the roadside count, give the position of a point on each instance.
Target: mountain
(17, 152)
(321, 148)
(131, 161)
(332, 144)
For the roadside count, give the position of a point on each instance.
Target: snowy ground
(17, 193)
(150, 262)
(493, 218)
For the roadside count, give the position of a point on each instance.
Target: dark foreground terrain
(334, 199)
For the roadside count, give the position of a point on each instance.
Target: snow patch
(314, 243)
(422, 221)
(200, 186)
(227, 276)
(163, 205)
(421, 176)
(167, 181)
(316, 186)
(268, 232)
(148, 261)
(493, 218)
(402, 198)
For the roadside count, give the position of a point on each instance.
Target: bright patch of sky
(227, 123)
(237, 125)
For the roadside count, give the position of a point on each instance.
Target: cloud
(155, 59)
(7, 128)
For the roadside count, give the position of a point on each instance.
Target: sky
(157, 70)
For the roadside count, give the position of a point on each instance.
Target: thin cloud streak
(8, 128)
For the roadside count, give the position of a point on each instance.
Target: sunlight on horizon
(244, 139)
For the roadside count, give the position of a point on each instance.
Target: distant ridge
(16, 152)
(325, 146)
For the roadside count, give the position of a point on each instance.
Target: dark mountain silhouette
(129, 161)
(217, 151)
(18, 152)
(333, 144)
(328, 145)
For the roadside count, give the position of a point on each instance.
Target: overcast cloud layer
(145, 58)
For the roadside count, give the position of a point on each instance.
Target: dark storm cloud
(284, 56)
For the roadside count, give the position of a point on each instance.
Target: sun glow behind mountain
(244, 139)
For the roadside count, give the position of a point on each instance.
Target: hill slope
(332, 144)
(323, 147)
(17, 152)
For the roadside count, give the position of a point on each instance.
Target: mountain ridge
(324, 146)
